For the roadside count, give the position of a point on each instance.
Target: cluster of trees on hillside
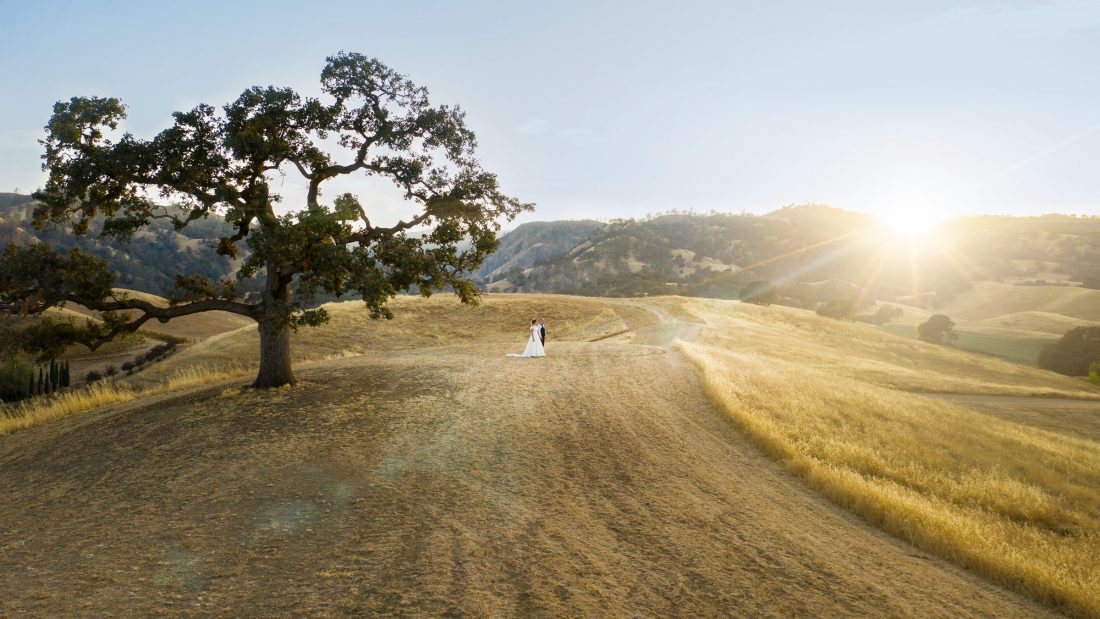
(20, 380)
(1074, 354)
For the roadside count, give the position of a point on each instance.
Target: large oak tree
(370, 121)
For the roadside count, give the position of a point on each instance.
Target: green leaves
(378, 123)
(35, 278)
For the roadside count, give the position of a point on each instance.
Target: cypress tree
(41, 382)
(65, 375)
(54, 376)
(30, 384)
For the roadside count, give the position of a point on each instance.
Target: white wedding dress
(534, 346)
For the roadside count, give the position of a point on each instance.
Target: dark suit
(542, 333)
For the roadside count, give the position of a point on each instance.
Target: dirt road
(458, 482)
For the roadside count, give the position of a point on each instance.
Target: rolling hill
(149, 262)
(531, 243)
(796, 247)
(417, 470)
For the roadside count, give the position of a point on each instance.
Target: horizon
(754, 108)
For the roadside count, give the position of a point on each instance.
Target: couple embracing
(536, 343)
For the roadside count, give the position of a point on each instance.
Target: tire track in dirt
(454, 481)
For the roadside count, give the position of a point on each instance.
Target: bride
(534, 343)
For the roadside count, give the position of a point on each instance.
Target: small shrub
(839, 309)
(885, 314)
(16, 380)
(110, 371)
(128, 367)
(1094, 372)
(92, 376)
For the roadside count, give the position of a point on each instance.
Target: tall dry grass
(869, 354)
(43, 409)
(1018, 504)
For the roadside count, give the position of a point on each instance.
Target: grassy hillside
(1010, 322)
(427, 475)
(533, 242)
(994, 301)
(1015, 502)
(715, 255)
(832, 400)
(868, 354)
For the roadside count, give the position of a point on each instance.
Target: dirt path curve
(449, 482)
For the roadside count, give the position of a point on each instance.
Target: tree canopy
(938, 329)
(370, 121)
(1073, 353)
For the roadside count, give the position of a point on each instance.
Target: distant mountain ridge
(534, 242)
(814, 253)
(151, 259)
(810, 253)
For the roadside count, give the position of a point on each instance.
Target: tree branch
(164, 314)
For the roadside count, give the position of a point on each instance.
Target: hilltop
(417, 470)
(531, 243)
(707, 255)
(800, 247)
(1012, 284)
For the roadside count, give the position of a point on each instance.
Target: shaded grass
(1022, 350)
(1017, 504)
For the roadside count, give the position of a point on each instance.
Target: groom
(542, 332)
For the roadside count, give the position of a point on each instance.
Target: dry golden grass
(868, 354)
(1018, 504)
(419, 323)
(990, 299)
(43, 409)
(422, 323)
(39, 410)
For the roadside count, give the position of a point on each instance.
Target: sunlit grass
(1015, 503)
(40, 410)
(869, 354)
(419, 323)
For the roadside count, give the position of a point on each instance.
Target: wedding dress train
(534, 346)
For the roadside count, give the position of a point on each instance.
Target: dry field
(416, 470)
(1009, 500)
(1015, 311)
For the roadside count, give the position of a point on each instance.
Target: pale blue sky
(614, 109)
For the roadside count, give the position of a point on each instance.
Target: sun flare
(907, 223)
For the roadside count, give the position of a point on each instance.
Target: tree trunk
(275, 370)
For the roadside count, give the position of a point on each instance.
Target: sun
(907, 223)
